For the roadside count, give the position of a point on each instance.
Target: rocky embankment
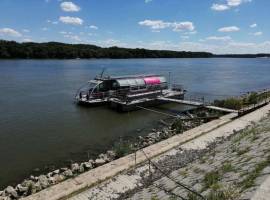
(34, 184)
(231, 168)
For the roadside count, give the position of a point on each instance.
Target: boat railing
(177, 87)
(130, 93)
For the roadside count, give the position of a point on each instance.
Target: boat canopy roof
(141, 81)
(133, 80)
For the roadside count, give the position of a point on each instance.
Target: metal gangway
(197, 103)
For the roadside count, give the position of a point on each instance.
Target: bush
(122, 148)
(231, 103)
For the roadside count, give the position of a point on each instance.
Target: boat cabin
(110, 86)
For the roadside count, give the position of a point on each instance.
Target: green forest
(56, 50)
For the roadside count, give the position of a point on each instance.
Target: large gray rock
(81, 170)
(75, 167)
(99, 161)
(88, 165)
(27, 183)
(5, 198)
(37, 187)
(68, 173)
(11, 192)
(58, 178)
(104, 157)
(57, 171)
(43, 180)
(111, 155)
(21, 188)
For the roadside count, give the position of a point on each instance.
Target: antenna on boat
(102, 72)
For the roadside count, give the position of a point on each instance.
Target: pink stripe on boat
(152, 80)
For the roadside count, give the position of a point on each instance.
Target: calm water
(41, 126)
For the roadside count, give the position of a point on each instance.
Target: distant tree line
(56, 50)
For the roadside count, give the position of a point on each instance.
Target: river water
(41, 126)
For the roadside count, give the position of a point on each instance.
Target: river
(41, 126)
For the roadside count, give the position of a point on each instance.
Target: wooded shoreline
(56, 50)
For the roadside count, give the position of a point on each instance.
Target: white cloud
(253, 25)
(183, 26)
(229, 4)
(229, 29)
(231, 47)
(71, 20)
(155, 24)
(93, 27)
(220, 7)
(10, 32)
(68, 6)
(234, 2)
(258, 33)
(215, 38)
(176, 26)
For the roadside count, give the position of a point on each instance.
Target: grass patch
(122, 148)
(242, 151)
(154, 198)
(227, 167)
(184, 172)
(251, 177)
(210, 179)
(223, 194)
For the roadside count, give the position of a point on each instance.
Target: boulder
(11, 192)
(63, 169)
(58, 178)
(56, 171)
(87, 165)
(111, 154)
(50, 174)
(104, 157)
(51, 180)
(75, 167)
(4, 198)
(99, 161)
(68, 173)
(33, 178)
(21, 188)
(35, 188)
(91, 162)
(81, 170)
(27, 183)
(43, 180)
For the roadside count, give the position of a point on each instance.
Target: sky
(217, 26)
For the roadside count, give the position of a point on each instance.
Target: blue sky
(218, 26)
